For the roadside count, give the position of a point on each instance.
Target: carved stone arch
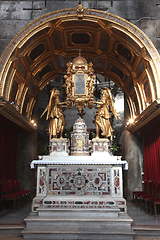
(104, 29)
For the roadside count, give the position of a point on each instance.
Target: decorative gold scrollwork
(79, 83)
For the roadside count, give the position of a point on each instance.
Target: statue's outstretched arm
(100, 103)
(63, 104)
(48, 108)
(110, 102)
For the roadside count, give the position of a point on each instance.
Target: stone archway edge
(68, 12)
(91, 15)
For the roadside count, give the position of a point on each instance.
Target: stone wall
(14, 15)
(132, 151)
(27, 151)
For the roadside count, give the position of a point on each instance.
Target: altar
(79, 193)
(79, 197)
(79, 182)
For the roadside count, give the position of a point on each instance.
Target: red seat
(10, 191)
(8, 195)
(25, 193)
(137, 194)
(155, 200)
(145, 197)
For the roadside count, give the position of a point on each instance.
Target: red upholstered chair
(8, 195)
(15, 189)
(3, 189)
(141, 196)
(136, 194)
(155, 203)
(149, 193)
(9, 186)
(146, 197)
(25, 193)
(155, 200)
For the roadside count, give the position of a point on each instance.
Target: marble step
(67, 221)
(110, 212)
(80, 234)
(83, 202)
(78, 226)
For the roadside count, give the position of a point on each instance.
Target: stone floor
(145, 225)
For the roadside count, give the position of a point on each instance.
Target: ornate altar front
(79, 182)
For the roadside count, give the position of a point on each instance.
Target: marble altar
(65, 181)
(79, 197)
(74, 180)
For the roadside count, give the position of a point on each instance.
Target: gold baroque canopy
(119, 51)
(79, 83)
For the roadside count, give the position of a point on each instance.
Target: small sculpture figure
(90, 68)
(68, 84)
(69, 67)
(91, 85)
(103, 115)
(57, 121)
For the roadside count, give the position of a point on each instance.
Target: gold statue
(68, 84)
(91, 85)
(102, 114)
(57, 121)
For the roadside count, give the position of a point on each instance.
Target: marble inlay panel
(41, 181)
(76, 180)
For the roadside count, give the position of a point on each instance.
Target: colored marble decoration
(80, 138)
(59, 147)
(90, 180)
(101, 146)
(116, 181)
(79, 204)
(79, 182)
(41, 190)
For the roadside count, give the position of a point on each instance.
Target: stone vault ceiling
(43, 57)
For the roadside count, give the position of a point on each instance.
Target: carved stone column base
(59, 147)
(100, 146)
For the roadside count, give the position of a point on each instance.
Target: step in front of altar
(78, 224)
(80, 202)
(107, 222)
(84, 202)
(45, 211)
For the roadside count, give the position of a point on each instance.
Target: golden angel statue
(54, 112)
(103, 115)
